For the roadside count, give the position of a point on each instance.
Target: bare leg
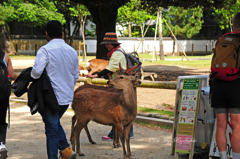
(235, 140)
(221, 132)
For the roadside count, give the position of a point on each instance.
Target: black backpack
(132, 60)
(5, 87)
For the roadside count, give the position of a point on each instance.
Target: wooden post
(16, 48)
(155, 51)
(84, 51)
(79, 48)
(35, 49)
(175, 121)
(178, 53)
(160, 35)
(206, 49)
(176, 40)
(192, 49)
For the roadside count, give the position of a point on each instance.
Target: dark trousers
(3, 110)
(4, 104)
(131, 132)
(56, 138)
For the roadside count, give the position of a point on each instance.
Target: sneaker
(3, 151)
(132, 137)
(68, 153)
(106, 138)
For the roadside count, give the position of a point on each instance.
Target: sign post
(187, 118)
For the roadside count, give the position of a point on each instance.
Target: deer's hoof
(93, 142)
(81, 154)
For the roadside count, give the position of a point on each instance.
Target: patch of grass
(20, 102)
(203, 64)
(198, 64)
(153, 125)
(192, 63)
(149, 56)
(151, 110)
(164, 104)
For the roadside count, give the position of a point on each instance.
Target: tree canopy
(34, 13)
(104, 13)
(183, 22)
(225, 14)
(38, 12)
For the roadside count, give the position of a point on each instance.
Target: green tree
(81, 12)
(183, 22)
(34, 13)
(225, 14)
(133, 14)
(104, 13)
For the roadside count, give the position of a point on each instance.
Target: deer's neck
(129, 99)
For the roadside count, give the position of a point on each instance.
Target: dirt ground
(26, 137)
(155, 98)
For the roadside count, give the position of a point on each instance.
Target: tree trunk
(104, 16)
(6, 43)
(66, 28)
(76, 28)
(173, 51)
(82, 20)
(129, 29)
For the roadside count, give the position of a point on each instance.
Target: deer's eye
(121, 77)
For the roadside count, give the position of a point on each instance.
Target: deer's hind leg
(81, 123)
(89, 135)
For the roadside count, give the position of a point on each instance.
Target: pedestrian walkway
(21, 64)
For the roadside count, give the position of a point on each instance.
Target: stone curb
(155, 118)
(156, 121)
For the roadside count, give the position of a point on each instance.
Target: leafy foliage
(183, 22)
(207, 4)
(37, 12)
(224, 15)
(5, 13)
(133, 13)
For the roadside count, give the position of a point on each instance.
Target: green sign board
(187, 115)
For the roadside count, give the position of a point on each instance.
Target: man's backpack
(132, 60)
(226, 61)
(5, 88)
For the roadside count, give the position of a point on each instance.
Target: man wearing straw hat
(116, 57)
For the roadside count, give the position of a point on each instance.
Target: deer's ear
(137, 82)
(118, 72)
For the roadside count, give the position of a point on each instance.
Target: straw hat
(110, 38)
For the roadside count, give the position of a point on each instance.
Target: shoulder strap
(2, 54)
(121, 51)
(2, 64)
